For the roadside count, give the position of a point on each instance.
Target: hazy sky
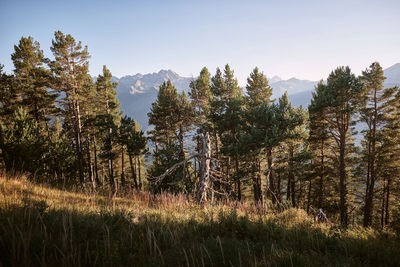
(305, 39)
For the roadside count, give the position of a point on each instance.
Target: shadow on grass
(37, 235)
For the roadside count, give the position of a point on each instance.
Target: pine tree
(388, 160)
(172, 115)
(70, 69)
(297, 154)
(184, 119)
(230, 103)
(320, 147)
(258, 89)
(61, 156)
(163, 112)
(342, 94)
(201, 95)
(133, 139)
(108, 117)
(22, 148)
(9, 96)
(373, 113)
(33, 80)
(258, 92)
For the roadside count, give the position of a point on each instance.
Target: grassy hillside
(42, 226)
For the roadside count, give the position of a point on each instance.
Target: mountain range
(137, 92)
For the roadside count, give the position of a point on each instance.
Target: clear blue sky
(306, 39)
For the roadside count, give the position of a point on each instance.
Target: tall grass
(43, 226)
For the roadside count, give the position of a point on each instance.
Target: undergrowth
(43, 226)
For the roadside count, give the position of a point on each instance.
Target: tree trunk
(389, 180)
(291, 181)
(343, 178)
(383, 208)
(204, 169)
(369, 202)
(78, 139)
(182, 152)
(278, 187)
(122, 167)
(91, 169)
(139, 172)
(239, 189)
(367, 186)
(309, 197)
(271, 185)
(260, 192)
(111, 174)
(321, 176)
(256, 188)
(228, 174)
(288, 189)
(96, 168)
(133, 171)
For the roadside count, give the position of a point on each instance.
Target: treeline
(61, 125)
(218, 143)
(280, 154)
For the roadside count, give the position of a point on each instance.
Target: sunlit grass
(43, 226)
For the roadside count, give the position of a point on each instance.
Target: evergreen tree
(33, 80)
(163, 113)
(230, 102)
(258, 92)
(373, 113)
(60, 157)
(108, 118)
(133, 139)
(9, 97)
(321, 148)
(184, 119)
(258, 89)
(70, 69)
(342, 95)
(201, 95)
(171, 114)
(22, 148)
(387, 169)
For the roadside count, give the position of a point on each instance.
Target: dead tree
(320, 217)
(204, 169)
(206, 174)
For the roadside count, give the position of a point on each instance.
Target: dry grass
(43, 226)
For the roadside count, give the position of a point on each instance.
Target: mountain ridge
(137, 92)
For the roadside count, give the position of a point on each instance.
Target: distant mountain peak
(137, 92)
(275, 79)
(393, 74)
(397, 65)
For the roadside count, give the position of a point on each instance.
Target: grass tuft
(43, 226)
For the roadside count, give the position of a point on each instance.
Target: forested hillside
(212, 141)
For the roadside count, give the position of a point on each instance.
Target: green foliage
(21, 143)
(169, 113)
(131, 136)
(201, 95)
(258, 89)
(108, 115)
(165, 158)
(32, 80)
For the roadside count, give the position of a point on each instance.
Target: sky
(303, 39)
